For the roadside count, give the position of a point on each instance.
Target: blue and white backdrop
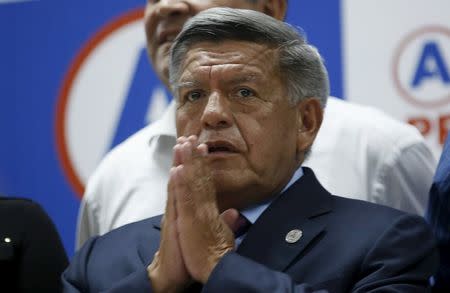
(75, 81)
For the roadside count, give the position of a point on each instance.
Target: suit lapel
(145, 251)
(296, 208)
(156, 222)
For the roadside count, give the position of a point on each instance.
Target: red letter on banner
(423, 124)
(444, 126)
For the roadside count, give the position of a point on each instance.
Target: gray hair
(300, 64)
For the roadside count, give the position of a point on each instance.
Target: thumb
(231, 217)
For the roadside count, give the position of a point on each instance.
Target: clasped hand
(194, 236)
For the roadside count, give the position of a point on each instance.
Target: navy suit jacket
(438, 215)
(347, 246)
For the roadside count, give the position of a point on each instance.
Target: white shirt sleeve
(130, 183)
(404, 180)
(87, 224)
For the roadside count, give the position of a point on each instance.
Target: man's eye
(193, 96)
(245, 93)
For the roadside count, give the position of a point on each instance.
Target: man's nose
(217, 113)
(170, 8)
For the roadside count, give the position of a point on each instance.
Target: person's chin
(229, 180)
(227, 164)
(223, 176)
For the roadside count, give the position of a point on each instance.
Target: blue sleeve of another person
(438, 215)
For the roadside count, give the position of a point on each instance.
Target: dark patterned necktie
(242, 225)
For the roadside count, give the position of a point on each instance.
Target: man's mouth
(221, 147)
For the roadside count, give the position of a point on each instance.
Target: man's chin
(223, 177)
(232, 188)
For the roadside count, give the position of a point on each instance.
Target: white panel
(98, 94)
(383, 43)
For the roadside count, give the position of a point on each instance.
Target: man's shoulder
(357, 206)
(129, 149)
(128, 237)
(133, 156)
(116, 254)
(120, 163)
(132, 231)
(369, 122)
(22, 212)
(339, 204)
(133, 151)
(337, 209)
(372, 219)
(17, 203)
(368, 116)
(135, 168)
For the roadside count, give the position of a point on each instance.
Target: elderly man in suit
(381, 160)
(242, 215)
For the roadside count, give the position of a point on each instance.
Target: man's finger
(202, 149)
(177, 160)
(170, 213)
(181, 139)
(231, 217)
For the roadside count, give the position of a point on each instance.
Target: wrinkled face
(164, 19)
(231, 96)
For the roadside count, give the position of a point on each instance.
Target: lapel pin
(7, 240)
(293, 236)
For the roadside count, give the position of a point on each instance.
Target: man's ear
(275, 8)
(310, 116)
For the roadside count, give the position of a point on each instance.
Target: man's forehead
(232, 54)
(233, 49)
(197, 78)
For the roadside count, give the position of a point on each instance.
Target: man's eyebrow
(244, 79)
(235, 80)
(186, 84)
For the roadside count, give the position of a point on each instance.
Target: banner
(397, 58)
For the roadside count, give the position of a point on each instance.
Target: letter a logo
(421, 71)
(431, 65)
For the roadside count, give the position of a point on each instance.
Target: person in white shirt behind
(360, 152)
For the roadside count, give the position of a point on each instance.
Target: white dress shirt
(359, 153)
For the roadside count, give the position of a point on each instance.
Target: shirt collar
(165, 126)
(253, 213)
